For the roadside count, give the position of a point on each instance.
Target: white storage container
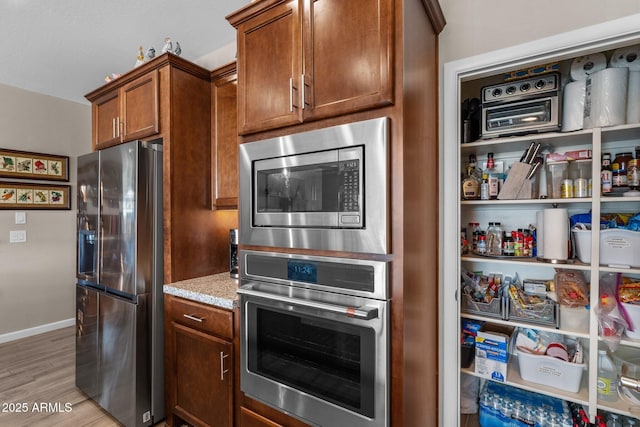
(574, 318)
(633, 310)
(618, 247)
(550, 371)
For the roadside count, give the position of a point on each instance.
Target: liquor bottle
(493, 177)
(471, 182)
(606, 174)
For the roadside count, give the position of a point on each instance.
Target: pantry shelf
(535, 202)
(537, 327)
(514, 379)
(576, 265)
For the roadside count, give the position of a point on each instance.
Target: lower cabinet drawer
(200, 316)
(248, 418)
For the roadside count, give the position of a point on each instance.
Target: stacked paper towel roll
(573, 106)
(605, 101)
(629, 57)
(573, 103)
(555, 234)
(540, 234)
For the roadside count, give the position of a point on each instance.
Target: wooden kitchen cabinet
(352, 61)
(169, 99)
(224, 136)
(248, 418)
(198, 363)
(326, 58)
(127, 113)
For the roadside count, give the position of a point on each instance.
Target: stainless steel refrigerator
(119, 304)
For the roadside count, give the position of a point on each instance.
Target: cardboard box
(492, 351)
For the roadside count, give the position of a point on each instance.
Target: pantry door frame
(597, 38)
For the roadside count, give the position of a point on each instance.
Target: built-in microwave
(325, 189)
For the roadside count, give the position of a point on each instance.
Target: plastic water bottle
(607, 378)
(614, 421)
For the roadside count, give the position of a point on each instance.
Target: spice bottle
(481, 246)
(606, 174)
(484, 188)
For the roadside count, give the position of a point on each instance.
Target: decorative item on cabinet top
(27, 165)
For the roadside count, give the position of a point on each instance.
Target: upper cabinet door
(140, 107)
(224, 137)
(270, 69)
(106, 113)
(348, 64)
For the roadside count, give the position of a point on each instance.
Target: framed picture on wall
(27, 165)
(18, 195)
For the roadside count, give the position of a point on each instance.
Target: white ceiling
(65, 48)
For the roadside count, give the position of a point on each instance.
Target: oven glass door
(321, 366)
(527, 114)
(320, 189)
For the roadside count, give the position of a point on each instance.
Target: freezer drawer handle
(194, 318)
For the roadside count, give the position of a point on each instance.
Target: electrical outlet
(17, 236)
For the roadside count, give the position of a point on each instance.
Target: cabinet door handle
(113, 127)
(194, 318)
(222, 370)
(291, 94)
(303, 92)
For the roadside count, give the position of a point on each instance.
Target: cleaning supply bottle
(607, 378)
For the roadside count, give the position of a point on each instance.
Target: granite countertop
(217, 289)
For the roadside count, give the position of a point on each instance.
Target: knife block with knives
(521, 179)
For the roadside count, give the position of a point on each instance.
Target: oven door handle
(365, 312)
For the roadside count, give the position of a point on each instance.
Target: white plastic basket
(618, 247)
(550, 371)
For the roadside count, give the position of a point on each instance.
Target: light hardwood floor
(37, 385)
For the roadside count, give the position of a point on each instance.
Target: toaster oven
(520, 107)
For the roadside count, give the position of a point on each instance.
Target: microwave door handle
(364, 312)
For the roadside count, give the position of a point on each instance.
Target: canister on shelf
(580, 187)
(566, 189)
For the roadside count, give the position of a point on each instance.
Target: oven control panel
(521, 89)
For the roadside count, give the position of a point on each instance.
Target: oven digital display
(302, 271)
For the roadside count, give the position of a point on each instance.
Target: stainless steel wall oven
(325, 189)
(315, 337)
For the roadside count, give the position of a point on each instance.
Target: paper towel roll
(633, 97)
(583, 66)
(573, 106)
(540, 234)
(556, 234)
(605, 101)
(629, 57)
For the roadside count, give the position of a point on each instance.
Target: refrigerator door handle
(194, 318)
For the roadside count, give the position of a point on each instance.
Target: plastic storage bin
(547, 314)
(574, 318)
(550, 371)
(490, 309)
(618, 247)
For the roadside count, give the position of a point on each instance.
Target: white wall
(37, 278)
(479, 26)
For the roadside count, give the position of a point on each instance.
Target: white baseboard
(12, 336)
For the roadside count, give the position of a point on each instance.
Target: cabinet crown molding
(157, 62)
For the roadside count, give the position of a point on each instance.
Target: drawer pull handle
(194, 318)
(222, 370)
